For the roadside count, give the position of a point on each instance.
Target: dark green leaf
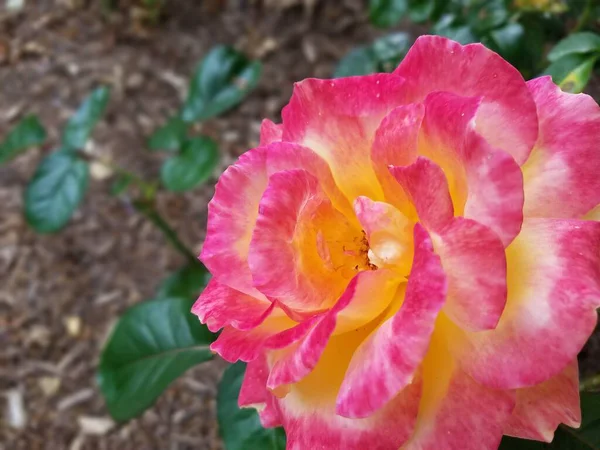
(27, 133)
(196, 162)
(587, 437)
(80, 125)
(577, 43)
(56, 189)
(390, 50)
(152, 344)
(508, 40)
(485, 15)
(386, 13)
(185, 283)
(220, 82)
(170, 136)
(240, 428)
(359, 61)
(572, 72)
(120, 184)
(421, 10)
(450, 26)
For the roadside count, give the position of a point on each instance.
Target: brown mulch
(60, 294)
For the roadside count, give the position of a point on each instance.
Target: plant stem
(146, 205)
(149, 211)
(585, 16)
(590, 384)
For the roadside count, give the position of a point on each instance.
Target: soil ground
(60, 294)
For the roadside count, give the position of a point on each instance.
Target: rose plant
(408, 260)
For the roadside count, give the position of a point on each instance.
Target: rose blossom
(406, 261)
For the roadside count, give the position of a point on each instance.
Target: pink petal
(337, 119)
(254, 393)
(270, 132)
(386, 362)
(284, 257)
(234, 345)
(541, 408)
(395, 144)
(561, 176)
(474, 260)
(366, 297)
(308, 410)
(457, 413)
(389, 234)
(232, 214)
(553, 290)
(219, 306)
(507, 118)
(427, 188)
(486, 184)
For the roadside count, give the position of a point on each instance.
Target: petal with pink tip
(388, 232)
(553, 291)
(485, 184)
(395, 144)
(474, 260)
(232, 214)
(254, 393)
(270, 132)
(387, 361)
(234, 345)
(294, 213)
(338, 119)
(507, 118)
(219, 306)
(542, 408)
(426, 186)
(367, 296)
(456, 412)
(561, 176)
(308, 410)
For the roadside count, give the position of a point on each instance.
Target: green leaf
(508, 40)
(421, 10)
(170, 136)
(572, 72)
(152, 344)
(450, 26)
(359, 61)
(187, 282)
(56, 189)
(485, 15)
(387, 13)
(587, 437)
(220, 82)
(27, 133)
(80, 125)
(240, 428)
(577, 43)
(390, 50)
(120, 185)
(196, 162)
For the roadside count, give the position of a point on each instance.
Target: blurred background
(61, 293)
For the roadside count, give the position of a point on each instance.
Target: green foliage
(587, 437)
(55, 191)
(386, 13)
(382, 56)
(576, 43)
(152, 344)
(29, 132)
(240, 428)
(80, 125)
(220, 82)
(194, 164)
(170, 136)
(572, 72)
(120, 184)
(185, 283)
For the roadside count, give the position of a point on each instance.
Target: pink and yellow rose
(408, 260)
